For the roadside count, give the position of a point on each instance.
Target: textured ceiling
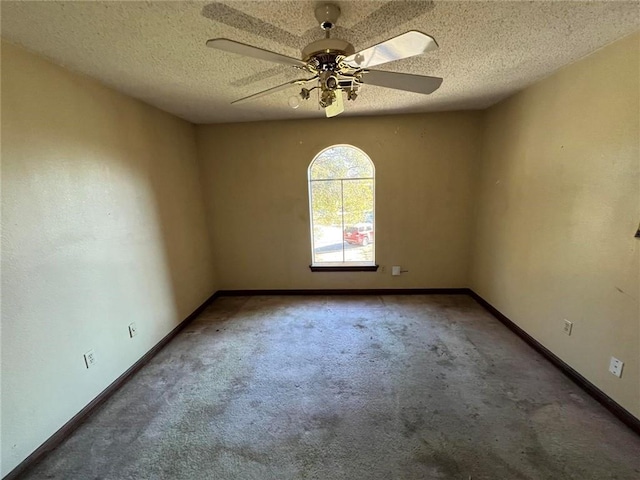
(155, 51)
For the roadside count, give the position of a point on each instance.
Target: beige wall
(255, 177)
(102, 225)
(559, 205)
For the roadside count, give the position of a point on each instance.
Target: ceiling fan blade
(249, 51)
(269, 91)
(407, 45)
(402, 81)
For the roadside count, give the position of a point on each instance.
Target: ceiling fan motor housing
(332, 46)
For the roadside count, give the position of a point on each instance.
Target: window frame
(343, 266)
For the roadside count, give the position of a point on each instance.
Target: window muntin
(341, 200)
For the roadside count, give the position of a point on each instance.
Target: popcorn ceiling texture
(155, 51)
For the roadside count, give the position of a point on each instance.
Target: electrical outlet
(133, 330)
(90, 359)
(615, 366)
(568, 326)
(382, 269)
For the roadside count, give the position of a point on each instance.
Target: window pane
(358, 220)
(341, 189)
(326, 202)
(341, 162)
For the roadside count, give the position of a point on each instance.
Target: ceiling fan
(337, 69)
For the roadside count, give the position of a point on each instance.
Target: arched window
(342, 208)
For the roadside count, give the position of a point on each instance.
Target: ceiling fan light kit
(337, 69)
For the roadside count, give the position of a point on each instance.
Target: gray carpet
(377, 387)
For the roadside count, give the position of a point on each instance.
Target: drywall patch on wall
(103, 225)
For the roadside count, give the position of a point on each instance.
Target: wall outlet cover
(568, 326)
(133, 330)
(90, 359)
(615, 366)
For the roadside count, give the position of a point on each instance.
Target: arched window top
(341, 161)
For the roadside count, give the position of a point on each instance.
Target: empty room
(345, 240)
